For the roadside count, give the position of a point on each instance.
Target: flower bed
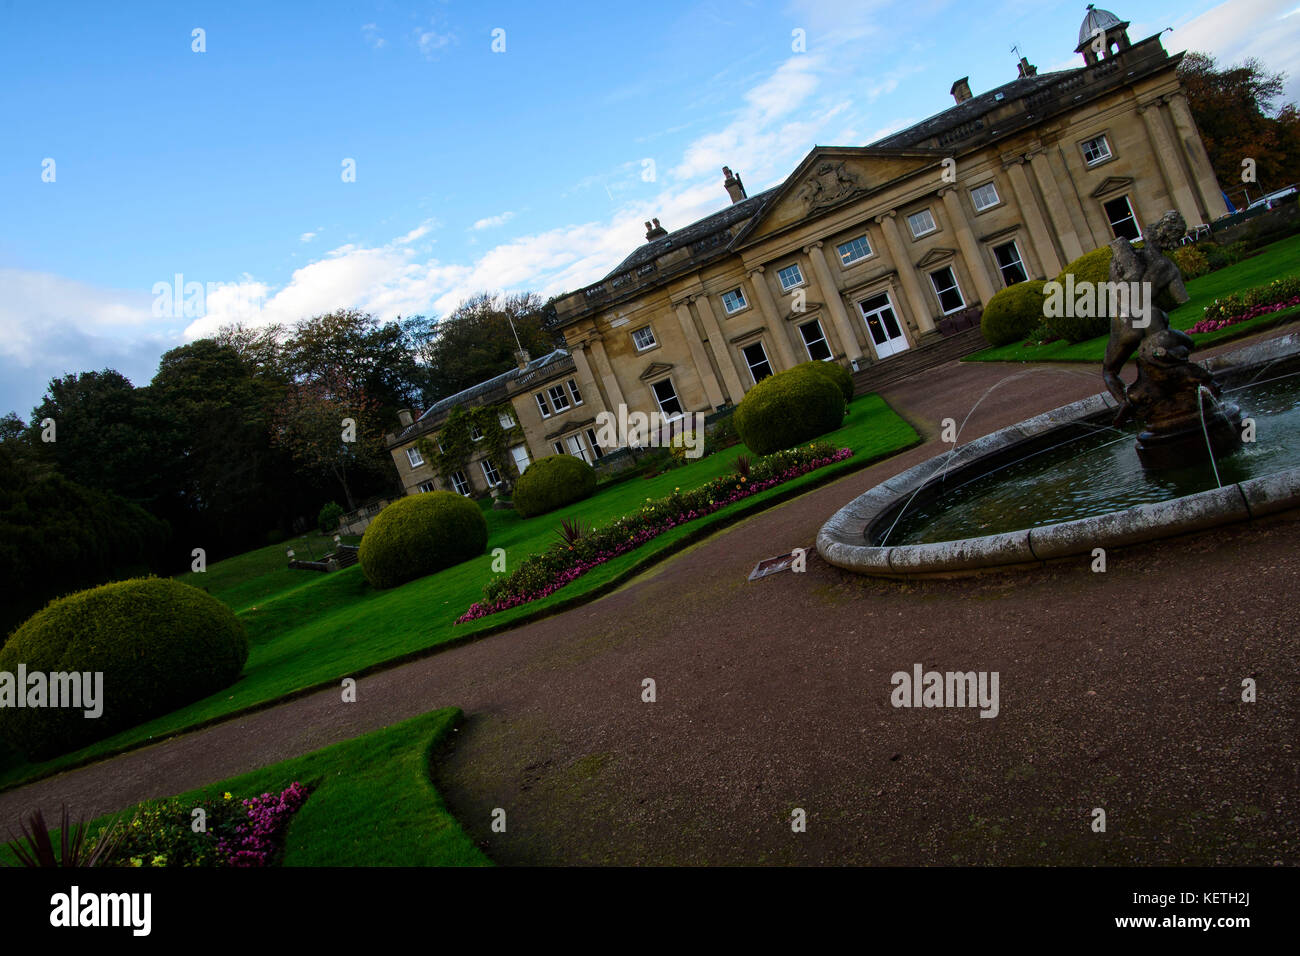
(1242, 306)
(544, 574)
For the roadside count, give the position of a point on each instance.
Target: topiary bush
(421, 534)
(159, 645)
(328, 519)
(1093, 267)
(553, 482)
(1013, 313)
(1191, 262)
(788, 408)
(839, 376)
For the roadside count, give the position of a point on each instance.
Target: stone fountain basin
(845, 539)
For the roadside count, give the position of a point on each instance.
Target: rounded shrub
(1191, 262)
(788, 408)
(421, 534)
(1013, 313)
(1093, 267)
(553, 482)
(328, 519)
(839, 376)
(159, 645)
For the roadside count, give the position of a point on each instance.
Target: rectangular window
(1010, 264)
(814, 340)
(506, 419)
(1095, 150)
(414, 457)
(559, 400)
(441, 450)
(853, 250)
(596, 450)
(790, 277)
(542, 406)
(984, 197)
(520, 454)
(490, 473)
(574, 393)
(733, 301)
(945, 287)
(756, 359)
(643, 339)
(666, 396)
(559, 449)
(426, 486)
(475, 433)
(921, 223)
(460, 483)
(577, 447)
(1119, 212)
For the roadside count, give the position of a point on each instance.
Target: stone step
(929, 355)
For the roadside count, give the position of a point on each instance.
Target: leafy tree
(358, 354)
(1237, 112)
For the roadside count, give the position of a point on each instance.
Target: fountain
(1161, 456)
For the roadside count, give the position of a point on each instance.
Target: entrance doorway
(882, 324)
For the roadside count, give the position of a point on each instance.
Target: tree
(1237, 112)
(358, 354)
(476, 342)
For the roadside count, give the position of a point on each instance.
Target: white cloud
(423, 229)
(431, 41)
(491, 222)
(1232, 32)
(307, 237)
(372, 36)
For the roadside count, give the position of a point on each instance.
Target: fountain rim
(842, 540)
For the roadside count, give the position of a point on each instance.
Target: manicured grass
(246, 579)
(336, 626)
(372, 800)
(1277, 260)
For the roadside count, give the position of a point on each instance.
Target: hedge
(553, 482)
(789, 408)
(1013, 313)
(1092, 267)
(421, 534)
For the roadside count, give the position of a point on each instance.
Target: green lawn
(372, 800)
(253, 576)
(334, 625)
(1280, 259)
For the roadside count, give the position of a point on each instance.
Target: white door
(882, 325)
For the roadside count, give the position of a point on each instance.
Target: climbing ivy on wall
(459, 447)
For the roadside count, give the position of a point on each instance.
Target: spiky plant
(742, 465)
(570, 530)
(36, 846)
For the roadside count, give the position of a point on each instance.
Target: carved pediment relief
(935, 256)
(1112, 184)
(655, 370)
(827, 183)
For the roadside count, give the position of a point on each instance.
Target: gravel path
(1119, 691)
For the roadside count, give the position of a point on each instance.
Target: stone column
(970, 249)
(834, 302)
(916, 301)
(698, 355)
(1180, 188)
(721, 351)
(601, 361)
(1033, 213)
(772, 316)
(1056, 207)
(1194, 149)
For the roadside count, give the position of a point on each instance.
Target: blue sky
(522, 169)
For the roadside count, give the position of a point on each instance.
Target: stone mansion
(860, 254)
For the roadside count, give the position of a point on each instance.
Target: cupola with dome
(1102, 34)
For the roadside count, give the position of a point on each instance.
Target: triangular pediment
(655, 369)
(935, 256)
(828, 178)
(1112, 184)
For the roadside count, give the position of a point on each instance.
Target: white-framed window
(577, 446)
(475, 433)
(520, 455)
(596, 450)
(1123, 221)
(791, 277)
(814, 340)
(544, 408)
(426, 486)
(921, 223)
(644, 338)
(506, 419)
(854, 250)
(414, 457)
(460, 483)
(574, 393)
(559, 398)
(756, 358)
(559, 448)
(1009, 263)
(438, 442)
(490, 473)
(946, 290)
(1095, 150)
(985, 197)
(666, 396)
(733, 301)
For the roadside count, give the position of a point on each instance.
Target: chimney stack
(961, 90)
(733, 184)
(522, 359)
(653, 232)
(404, 416)
(1027, 68)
